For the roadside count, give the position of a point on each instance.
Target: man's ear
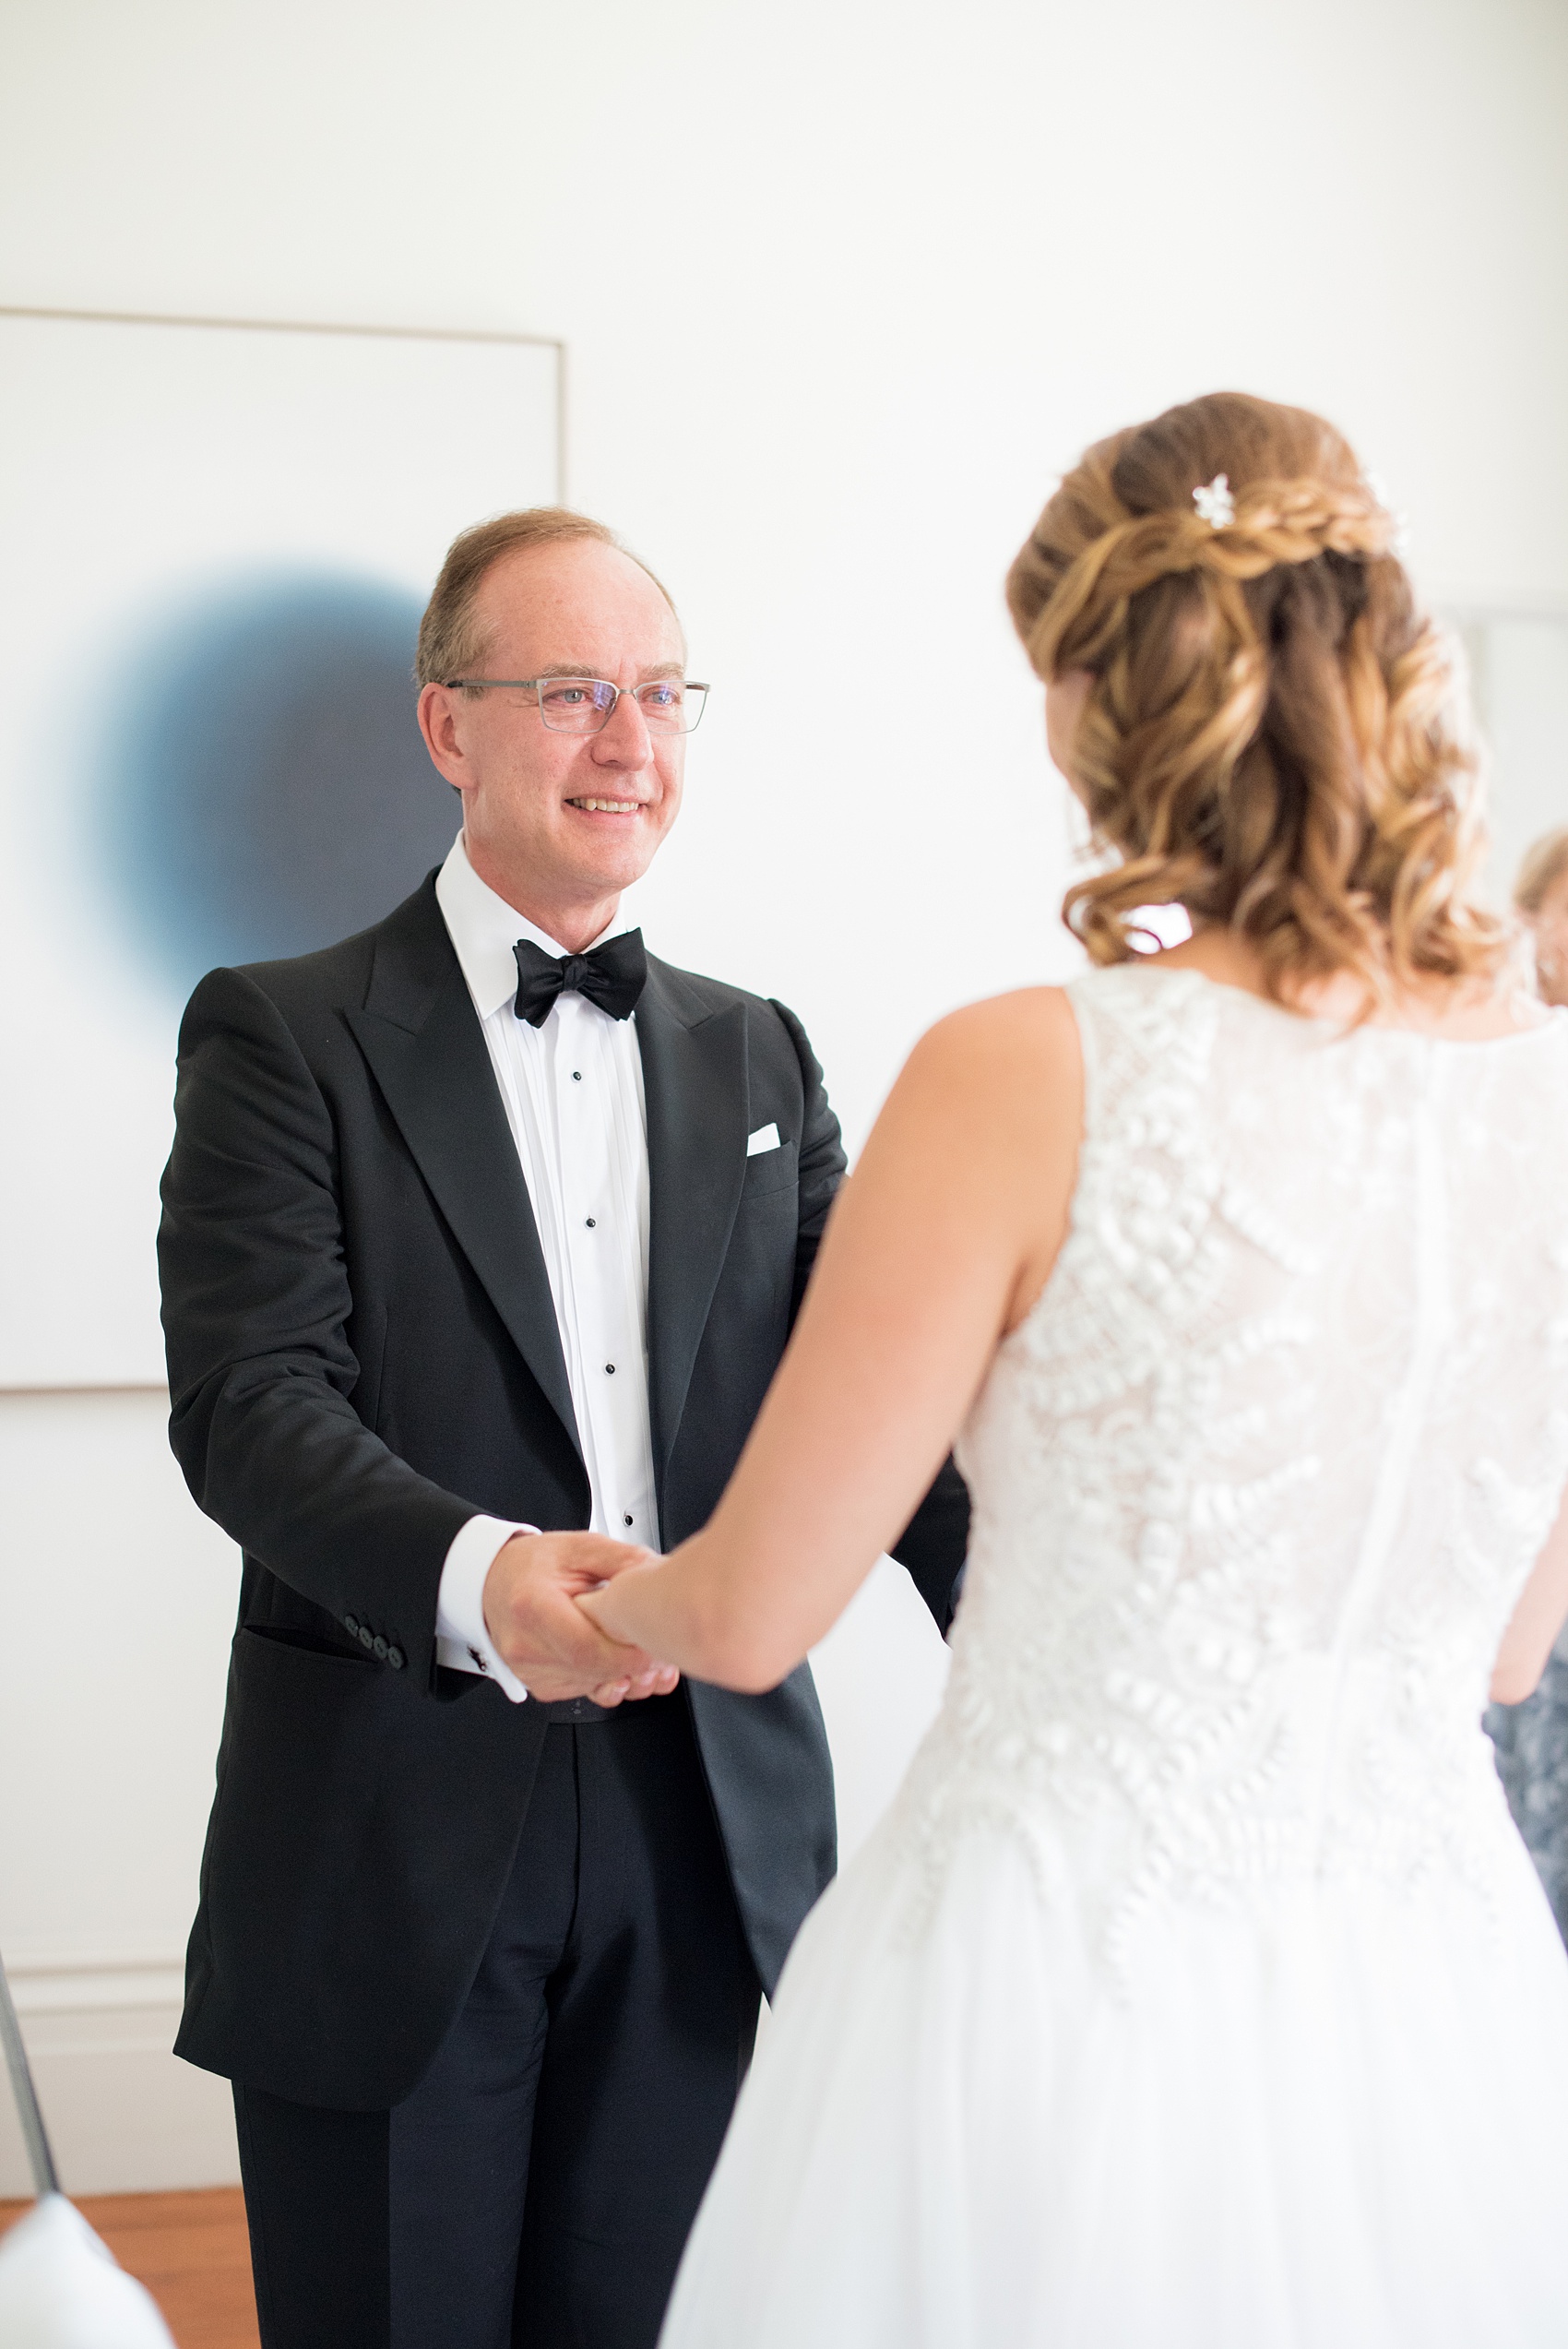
(437, 716)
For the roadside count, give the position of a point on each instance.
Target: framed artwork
(218, 539)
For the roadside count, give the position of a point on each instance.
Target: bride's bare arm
(940, 1243)
(1539, 1617)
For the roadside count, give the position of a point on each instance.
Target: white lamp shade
(60, 2288)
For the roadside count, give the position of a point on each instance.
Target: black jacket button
(396, 1658)
(352, 1626)
(367, 1637)
(379, 1644)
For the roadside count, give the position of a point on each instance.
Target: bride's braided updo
(1271, 737)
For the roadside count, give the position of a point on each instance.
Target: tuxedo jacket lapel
(695, 1082)
(421, 1037)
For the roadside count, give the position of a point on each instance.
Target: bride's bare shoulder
(1030, 1022)
(1008, 1061)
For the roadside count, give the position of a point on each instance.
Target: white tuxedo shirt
(573, 1091)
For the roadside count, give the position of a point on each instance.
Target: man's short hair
(451, 641)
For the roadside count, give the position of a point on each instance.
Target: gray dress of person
(1532, 1761)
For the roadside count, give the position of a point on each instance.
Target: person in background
(1541, 896)
(1532, 1738)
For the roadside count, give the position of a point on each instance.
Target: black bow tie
(611, 975)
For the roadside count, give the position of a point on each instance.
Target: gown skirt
(1312, 2121)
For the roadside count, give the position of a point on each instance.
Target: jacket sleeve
(932, 1546)
(257, 1312)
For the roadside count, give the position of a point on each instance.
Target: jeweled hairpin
(1216, 504)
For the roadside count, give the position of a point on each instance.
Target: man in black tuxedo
(480, 1222)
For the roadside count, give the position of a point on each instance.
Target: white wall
(116, 1600)
(844, 285)
(1518, 663)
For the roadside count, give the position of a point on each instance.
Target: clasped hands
(553, 1645)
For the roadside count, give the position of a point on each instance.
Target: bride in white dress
(1197, 1992)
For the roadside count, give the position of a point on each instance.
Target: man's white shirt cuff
(462, 1641)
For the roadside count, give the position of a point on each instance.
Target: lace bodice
(1258, 1480)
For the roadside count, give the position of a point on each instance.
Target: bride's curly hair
(1274, 737)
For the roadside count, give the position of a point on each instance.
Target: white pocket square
(766, 1137)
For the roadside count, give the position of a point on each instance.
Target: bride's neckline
(1328, 1025)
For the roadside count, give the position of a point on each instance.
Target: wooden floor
(190, 2250)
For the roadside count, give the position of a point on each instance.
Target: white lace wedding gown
(1197, 1992)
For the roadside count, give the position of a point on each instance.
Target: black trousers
(536, 2188)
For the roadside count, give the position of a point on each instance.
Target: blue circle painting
(265, 789)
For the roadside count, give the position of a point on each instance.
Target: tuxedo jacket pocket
(772, 1170)
(284, 1634)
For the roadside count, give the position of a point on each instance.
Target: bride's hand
(623, 1571)
(610, 1560)
(620, 1559)
(556, 1651)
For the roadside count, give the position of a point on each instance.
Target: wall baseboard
(124, 2114)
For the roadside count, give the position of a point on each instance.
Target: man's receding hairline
(558, 546)
(457, 627)
(555, 546)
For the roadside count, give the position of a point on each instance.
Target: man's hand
(531, 1614)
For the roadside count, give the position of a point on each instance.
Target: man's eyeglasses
(586, 705)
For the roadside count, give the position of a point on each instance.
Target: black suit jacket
(362, 1352)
